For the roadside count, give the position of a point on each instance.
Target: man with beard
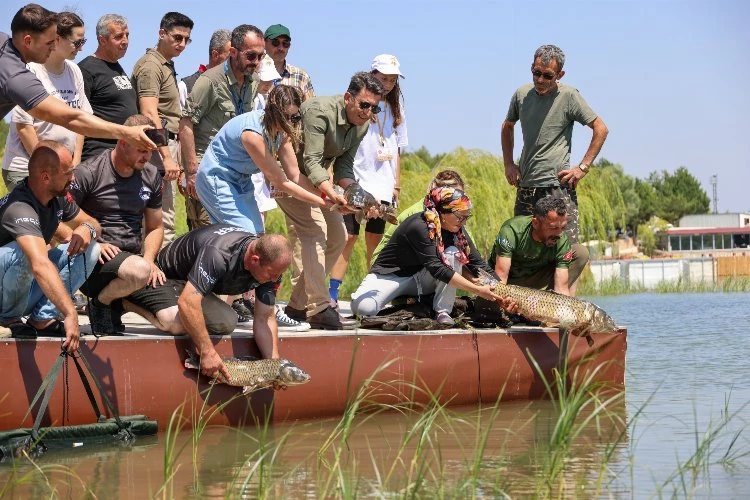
(533, 250)
(35, 281)
(123, 191)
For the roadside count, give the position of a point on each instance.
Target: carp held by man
(253, 374)
(555, 310)
(358, 198)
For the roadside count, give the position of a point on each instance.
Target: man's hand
(512, 174)
(135, 136)
(157, 276)
(571, 176)
(212, 365)
(509, 305)
(171, 170)
(190, 186)
(80, 240)
(108, 252)
(72, 333)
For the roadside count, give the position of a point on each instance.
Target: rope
(475, 345)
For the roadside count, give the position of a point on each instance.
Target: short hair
(66, 21)
(548, 52)
(102, 25)
(447, 178)
(239, 33)
(219, 38)
(367, 81)
(547, 204)
(272, 247)
(32, 18)
(175, 20)
(45, 157)
(138, 119)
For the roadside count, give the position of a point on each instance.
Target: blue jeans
(21, 295)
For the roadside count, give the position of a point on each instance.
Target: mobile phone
(157, 135)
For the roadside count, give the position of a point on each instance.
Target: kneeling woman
(258, 141)
(428, 253)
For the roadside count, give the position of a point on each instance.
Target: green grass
(617, 286)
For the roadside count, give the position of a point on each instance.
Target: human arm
(561, 281)
(507, 140)
(81, 237)
(47, 276)
(79, 150)
(27, 135)
(502, 268)
(55, 111)
(189, 158)
(189, 306)
(149, 106)
(265, 330)
(154, 228)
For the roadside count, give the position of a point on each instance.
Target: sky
(669, 78)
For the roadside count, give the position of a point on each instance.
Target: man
(105, 83)
(34, 34)
(278, 40)
(123, 191)
(155, 82)
(217, 259)
(218, 51)
(38, 282)
(332, 129)
(548, 110)
(219, 94)
(533, 250)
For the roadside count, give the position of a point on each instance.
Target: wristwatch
(584, 168)
(91, 229)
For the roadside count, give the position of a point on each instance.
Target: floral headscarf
(444, 200)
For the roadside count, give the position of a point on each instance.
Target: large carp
(252, 373)
(555, 310)
(357, 197)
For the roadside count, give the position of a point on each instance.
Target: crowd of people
(95, 156)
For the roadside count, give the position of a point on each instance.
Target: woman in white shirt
(377, 165)
(62, 78)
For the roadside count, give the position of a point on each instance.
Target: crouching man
(36, 281)
(217, 259)
(533, 250)
(123, 191)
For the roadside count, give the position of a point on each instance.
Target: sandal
(22, 331)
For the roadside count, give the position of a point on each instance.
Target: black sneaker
(80, 302)
(244, 313)
(100, 318)
(117, 312)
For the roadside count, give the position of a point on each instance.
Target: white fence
(648, 273)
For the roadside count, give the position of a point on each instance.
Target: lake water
(687, 389)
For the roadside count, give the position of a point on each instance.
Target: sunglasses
(78, 43)
(295, 118)
(375, 109)
(180, 38)
(546, 76)
(276, 42)
(253, 56)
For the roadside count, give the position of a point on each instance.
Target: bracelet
(91, 229)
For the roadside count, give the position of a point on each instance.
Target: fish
(253, 374)
(552, 309)
(363, 201)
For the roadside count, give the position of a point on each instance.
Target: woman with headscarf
(429, 252)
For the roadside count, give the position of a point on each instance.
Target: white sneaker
(287, 324)
(444, 319)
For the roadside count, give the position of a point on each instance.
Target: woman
(377, 165)
(258, 141)
(62, 78)
(428, 253)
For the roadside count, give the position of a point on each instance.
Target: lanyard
(381, 128)
(239, 106)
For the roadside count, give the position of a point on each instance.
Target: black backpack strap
(48, 385)
(105, 399)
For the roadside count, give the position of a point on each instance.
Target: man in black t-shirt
(217, 259)
(122, 190)
(34, 280)
(106, 84)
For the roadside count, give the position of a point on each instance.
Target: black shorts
(158, 298)
(376, 226)
(103, 274)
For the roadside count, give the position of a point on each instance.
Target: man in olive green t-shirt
(533, 250)
(547, 111)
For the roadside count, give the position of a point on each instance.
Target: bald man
(37, 282)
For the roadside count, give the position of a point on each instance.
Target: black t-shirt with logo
(22, 214)
(212, 259)
(117, 202)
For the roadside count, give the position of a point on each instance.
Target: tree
(678, 194)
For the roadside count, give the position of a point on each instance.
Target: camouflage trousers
(527, 197)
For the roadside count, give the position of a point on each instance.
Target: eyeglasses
(295, 118)
(276, 42)
(364, 105)
(461, 218)
(180, 38)
(77, 43)
(253, 56)
(546, 76)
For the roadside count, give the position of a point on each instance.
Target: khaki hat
(387, 64)
(267, 70)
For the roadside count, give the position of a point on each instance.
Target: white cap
(267, 70)
(386, 64)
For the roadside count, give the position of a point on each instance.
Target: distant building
(704, 233)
